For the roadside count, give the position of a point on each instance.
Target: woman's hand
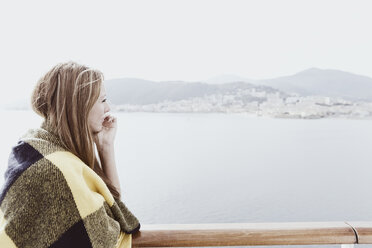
(105, 145)
(105, 138)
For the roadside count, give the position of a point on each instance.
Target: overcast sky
(187, 40)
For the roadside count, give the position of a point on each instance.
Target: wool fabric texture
(51, 198)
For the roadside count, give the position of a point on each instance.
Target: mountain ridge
(309, 82)
(325, 82)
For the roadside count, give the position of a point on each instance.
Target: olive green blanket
(50, 198)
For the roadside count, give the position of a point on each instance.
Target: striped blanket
(50, 198)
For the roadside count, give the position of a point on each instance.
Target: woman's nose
(107, 107)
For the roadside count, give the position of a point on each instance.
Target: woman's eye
(104, 100)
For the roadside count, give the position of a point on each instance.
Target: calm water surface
(230, 168)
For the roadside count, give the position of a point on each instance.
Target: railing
(250, 234)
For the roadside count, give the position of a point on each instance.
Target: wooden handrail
(244, 234)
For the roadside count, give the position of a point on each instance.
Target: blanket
(51, 198)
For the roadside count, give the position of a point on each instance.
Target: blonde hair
(64, 96)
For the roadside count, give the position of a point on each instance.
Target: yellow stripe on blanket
(5, 241)
(124, 241)
(88, 189)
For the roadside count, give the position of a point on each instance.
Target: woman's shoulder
(40, 153)
(37, 148)
(35, 159)
(34, 167)
(39, 143)
(42, 140)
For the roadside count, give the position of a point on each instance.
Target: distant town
(310, 94)
(275, 105)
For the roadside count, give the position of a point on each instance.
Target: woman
(61, 186)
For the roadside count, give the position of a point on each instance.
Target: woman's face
(97, 113)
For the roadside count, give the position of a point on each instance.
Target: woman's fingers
(108, 117)
(109, 120)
